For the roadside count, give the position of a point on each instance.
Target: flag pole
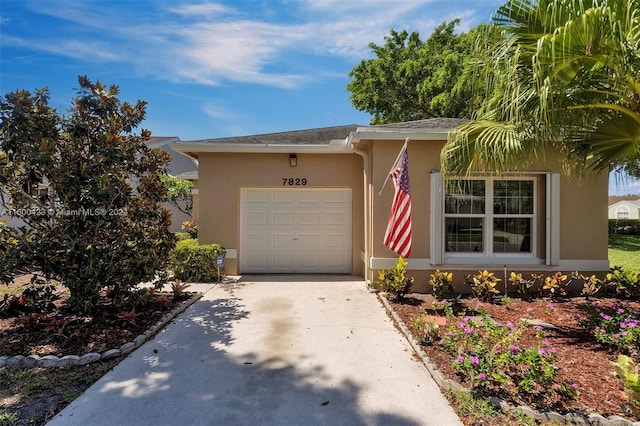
(395, 163)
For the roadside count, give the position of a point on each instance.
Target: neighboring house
(180, 166)
(308, 201)
(627, 207)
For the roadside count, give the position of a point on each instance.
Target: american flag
(398, 234)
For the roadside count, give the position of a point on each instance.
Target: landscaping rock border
(571, 418)
(52, 361)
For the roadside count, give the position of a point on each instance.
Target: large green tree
(89, 190)
(564, 79)
(411, 79)
(179, 193)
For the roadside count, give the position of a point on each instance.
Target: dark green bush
(193, 262)
(100, 223)
(624, 226)
(39, 297)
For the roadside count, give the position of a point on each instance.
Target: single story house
(179, 166)
(624, 208)
(310, 201)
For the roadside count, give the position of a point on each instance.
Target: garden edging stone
(53, 361)
(571, 418)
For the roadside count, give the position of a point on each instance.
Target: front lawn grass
(624, 250)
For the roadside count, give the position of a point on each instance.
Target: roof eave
(193, 148)
(371, 133)
(165, 141)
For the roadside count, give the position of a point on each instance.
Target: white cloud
(220, 112)
(620, 184)
(237, 51)
(202, 9)
(96, 51)
(208, 43)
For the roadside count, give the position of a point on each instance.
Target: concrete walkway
(270, 351)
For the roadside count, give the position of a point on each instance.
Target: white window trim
(552, 234)
(621, 209)
(487, 254)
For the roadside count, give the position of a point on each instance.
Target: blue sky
(215, 69)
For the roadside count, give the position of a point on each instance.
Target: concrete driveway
(270, 350)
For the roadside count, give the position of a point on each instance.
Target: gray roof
(429, 123)
(191, 175)
(319, 136)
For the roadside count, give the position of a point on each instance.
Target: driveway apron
(270, 350)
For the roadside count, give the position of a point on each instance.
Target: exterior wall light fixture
(293, 160)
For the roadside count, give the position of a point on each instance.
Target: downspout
(366, 207)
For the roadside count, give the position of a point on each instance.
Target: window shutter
(553, 219)
(436, 226)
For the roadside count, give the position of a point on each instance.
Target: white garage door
(292, 230)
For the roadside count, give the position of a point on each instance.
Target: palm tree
(563, 77)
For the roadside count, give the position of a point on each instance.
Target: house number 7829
(294, 181)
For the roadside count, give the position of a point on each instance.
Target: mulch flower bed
(579, 358)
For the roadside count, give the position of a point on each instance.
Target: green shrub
(395, 280)
(39, 297)
(626, 369)
(616, 326)
(483, 285)
(182, 236)
(193, 262)
(624, 226)
(424, 329)
(440, 283)
(495, 358)
(625, 283)
(523, 286)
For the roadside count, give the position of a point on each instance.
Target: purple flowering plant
(616, 326)
(494, 359)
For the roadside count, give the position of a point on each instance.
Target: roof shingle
(319, 136)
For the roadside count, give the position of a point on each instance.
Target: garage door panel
(282, 240)
(336, 260)
(337, 218)
(309, 261)
(310, 218)
(258, 261)
(310, 196)
(257, 241)
(309, 240)
(282, 218)
(257, 218)
(282, 262)
(256, 196)
(295, 230)
(284, 196)
(337, 197)
(336, 241)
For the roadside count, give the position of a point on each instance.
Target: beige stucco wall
(584, 231)
(222, 175)
(196, 201)
(583, 218)
(424, 156)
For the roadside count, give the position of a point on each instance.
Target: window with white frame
(622, 212)
(488, 217)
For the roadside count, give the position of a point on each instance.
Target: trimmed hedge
(193, 262)
(624, 226)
